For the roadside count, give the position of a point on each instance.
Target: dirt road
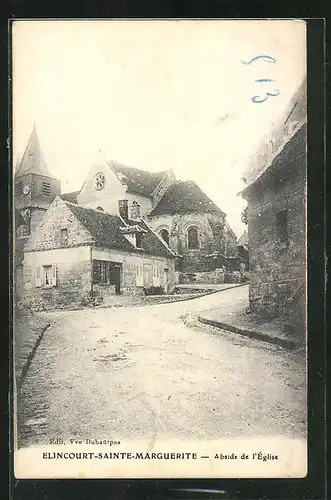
(146, 371)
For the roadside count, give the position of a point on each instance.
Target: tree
(244, 216)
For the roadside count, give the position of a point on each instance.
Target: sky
(154, 95)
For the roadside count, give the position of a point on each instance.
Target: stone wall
(214, 277)
(47, 236)
(35, 196)
(278, 266)
(73, 277)
(193, 261)
(128, 262)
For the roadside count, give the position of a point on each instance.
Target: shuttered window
(46, 276)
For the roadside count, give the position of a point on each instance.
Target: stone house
(79, 252)
(193, 226)
(127, 216)
(276, 200)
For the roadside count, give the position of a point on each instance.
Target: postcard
(159, 269)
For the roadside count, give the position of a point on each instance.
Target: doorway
(115, 277)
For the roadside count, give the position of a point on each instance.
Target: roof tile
(185, 197)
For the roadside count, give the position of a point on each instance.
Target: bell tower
(34, 186)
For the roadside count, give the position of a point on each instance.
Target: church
(126, 231)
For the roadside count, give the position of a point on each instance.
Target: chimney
(123, 209)
(135, 211)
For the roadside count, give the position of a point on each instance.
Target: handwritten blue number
(256, 97)
(268, 59)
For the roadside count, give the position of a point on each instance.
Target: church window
(164, 233)
(192, 238)
(64, 237)
(99, 181)
(46, 188)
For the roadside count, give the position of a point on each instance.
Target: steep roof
(294, 148)
(72, 197)
(33, 161)
(185, 197)
(138, 181)
(105, 229)
(243, 240)
(281, 132)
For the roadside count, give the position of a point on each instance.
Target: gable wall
(108, 197)
(47, 234)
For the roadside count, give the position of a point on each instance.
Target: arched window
(192, 238)
(164, 233)
(219, 233)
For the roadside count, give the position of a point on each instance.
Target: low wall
(214, 277)
(218, 276)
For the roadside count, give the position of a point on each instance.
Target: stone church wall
(193, 260)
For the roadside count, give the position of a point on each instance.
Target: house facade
(187, 220)
(276, 200)
(79, 253)
(125, 231)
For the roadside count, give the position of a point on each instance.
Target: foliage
(244, 216)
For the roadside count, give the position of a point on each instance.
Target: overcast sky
(153, 95)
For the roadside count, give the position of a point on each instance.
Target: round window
(99, 181)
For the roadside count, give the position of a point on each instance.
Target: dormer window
(134, 235)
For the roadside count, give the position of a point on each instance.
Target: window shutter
(156, 276)
(96, 271)
(53, 275)
(38, 276)
(139, 275)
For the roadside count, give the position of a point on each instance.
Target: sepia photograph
(159, 172)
